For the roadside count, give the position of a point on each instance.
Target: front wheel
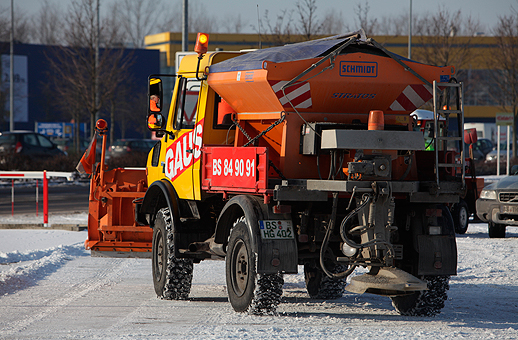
(496, 230)
(172, 276)
(258, 294)
(424, 303)
(460, 216)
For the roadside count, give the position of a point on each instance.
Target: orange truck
(299, 155)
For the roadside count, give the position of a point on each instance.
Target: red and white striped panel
(412, 97)
(299, 94)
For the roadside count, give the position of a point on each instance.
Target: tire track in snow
(113, 269)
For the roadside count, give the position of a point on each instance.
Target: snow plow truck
(299, 155)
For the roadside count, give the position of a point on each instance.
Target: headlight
(488, 194)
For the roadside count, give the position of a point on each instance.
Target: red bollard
(45, 199)
(37, 183)
(12, 197)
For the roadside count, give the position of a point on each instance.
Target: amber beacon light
(376, 120)
(202, 43)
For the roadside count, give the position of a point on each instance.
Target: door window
(30, 139)
(187, 103)
(44, 142)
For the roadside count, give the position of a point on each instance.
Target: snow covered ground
(50, 288)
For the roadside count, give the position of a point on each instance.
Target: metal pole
(410, 32)
(185, 26)
(498, 150)
(96, 81)
(12, 197)
(11, 75)
(37, 183)
(508, 148)
(45, 199)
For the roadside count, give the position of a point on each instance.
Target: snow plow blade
(114, 196)
(387, 282)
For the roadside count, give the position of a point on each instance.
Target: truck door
(184, 150)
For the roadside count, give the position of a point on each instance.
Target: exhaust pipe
(208, 246)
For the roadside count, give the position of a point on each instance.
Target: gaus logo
(184, 152)
(358, 69)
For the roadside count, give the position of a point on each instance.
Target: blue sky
(487, 11)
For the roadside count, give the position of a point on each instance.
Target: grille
(508, 196)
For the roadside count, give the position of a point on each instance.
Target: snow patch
(25, 268)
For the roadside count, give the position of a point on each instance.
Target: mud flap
(387, 281)
(277, 256)
(437, 255)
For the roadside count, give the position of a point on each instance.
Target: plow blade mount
(387, 281)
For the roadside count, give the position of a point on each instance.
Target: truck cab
(197, 116)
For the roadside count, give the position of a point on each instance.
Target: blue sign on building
(63, 130)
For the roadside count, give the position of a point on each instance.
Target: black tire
(460, 216)
(172, 277)
(496, 230)
(424, 303)
(257, 294)
(319, 285)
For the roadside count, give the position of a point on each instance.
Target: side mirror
(155, 94)
(514, 170)
(155, 121)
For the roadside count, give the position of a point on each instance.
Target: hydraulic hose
(366, 198)
(407, 170)
(325, 241)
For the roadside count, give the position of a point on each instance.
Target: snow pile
(25, 268)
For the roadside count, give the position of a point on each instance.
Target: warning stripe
(299, 95)
(412, 97)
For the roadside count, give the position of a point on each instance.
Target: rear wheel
(258, 294)
(319, 285)
(424, 303)
(496, 230)
(460, 216)
(172, 276)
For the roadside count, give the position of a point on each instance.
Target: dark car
(498, 204)
(484, 145)
(481, 148)
(67, 144)
(491, 156)
(123, 147)
(26, 144)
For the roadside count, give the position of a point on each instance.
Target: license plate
(276, 229)
(509, 209)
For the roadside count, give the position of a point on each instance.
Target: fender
(160, 194)
(254, 210)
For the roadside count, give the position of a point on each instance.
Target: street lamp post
(410, 32)
(11, 74)
(185, 26)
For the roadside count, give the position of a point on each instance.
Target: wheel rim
(240, 268)
(463, 217)
(159, 254)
